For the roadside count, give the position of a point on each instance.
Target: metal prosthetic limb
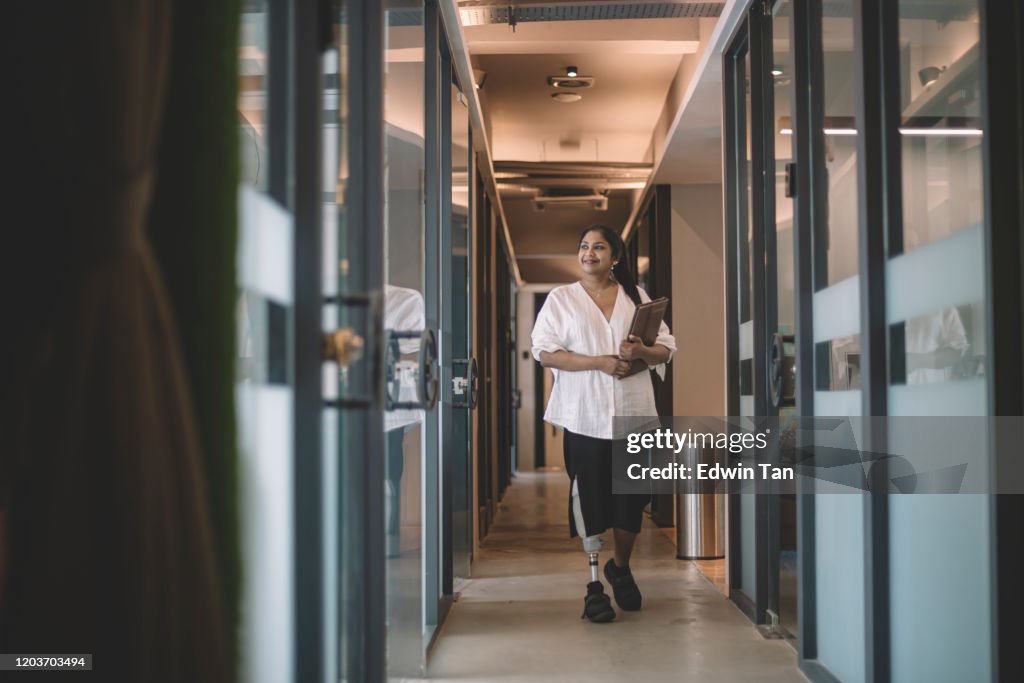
(591, 544)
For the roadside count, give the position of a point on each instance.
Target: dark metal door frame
(364, 594)
(734, 134)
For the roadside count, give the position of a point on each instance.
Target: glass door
(464, 381)
(265, 396)
(936, 311)
(410, 348)
(741, 557)
(781, 299)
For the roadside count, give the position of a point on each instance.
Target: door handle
(426, 369)
(781, 371)
(344, 346)
(470, 383)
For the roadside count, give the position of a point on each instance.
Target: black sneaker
(627, 595)
(597, 606)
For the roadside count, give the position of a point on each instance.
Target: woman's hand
(632, 348)
(612, 365)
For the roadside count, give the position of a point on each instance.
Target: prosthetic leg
(596, 606)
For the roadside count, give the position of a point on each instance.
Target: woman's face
(595, 254)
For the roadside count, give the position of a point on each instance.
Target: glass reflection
(405, 169)
(941, 338)
(781, 75)
(252, 92)
(840, 143)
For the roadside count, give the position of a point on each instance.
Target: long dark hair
(623, 275)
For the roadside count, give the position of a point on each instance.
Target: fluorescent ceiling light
(935, 132)
(945, 132)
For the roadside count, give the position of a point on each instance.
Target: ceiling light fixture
(566, 97)
(919, 132)
(572, 72)
(776, 72)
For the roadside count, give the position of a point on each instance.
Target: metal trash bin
(700, 510)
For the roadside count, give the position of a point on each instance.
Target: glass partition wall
(347, 554)
(860, 186)
(936, 313)
(464, 367)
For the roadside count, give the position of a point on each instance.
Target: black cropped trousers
(588, 462)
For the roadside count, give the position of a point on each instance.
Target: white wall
(698, 300)
(525, 430)
(525, 369)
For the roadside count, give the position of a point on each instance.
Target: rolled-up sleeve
(547, 330)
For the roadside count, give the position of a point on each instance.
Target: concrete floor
(517, 618)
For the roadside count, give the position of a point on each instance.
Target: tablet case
(647, 320)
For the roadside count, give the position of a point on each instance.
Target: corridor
(517, 618)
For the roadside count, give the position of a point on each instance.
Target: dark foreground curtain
(109, 542)
(192, 226)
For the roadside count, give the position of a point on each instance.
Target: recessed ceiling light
(566, 97)
(776, 72)
(571, 71)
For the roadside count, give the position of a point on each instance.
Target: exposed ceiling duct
(480, 12)
(570, 198)
(594, 176)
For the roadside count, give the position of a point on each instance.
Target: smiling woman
(582, 333)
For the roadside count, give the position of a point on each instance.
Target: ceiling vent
(571, 198)
(573, 83)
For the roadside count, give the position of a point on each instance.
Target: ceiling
(604, 144)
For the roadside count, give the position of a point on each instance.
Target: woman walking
(582, 334)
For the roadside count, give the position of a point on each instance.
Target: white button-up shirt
(403, 312)
(585, 401)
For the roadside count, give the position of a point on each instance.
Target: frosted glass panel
(839, 572)
(949, 272)
(265, 238)
(747, 406)
(266, 507)
(837, 310)
(836, 403)
(946, 398)
(747, 340)
(940, 587)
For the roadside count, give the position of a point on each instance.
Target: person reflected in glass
(403, 312)
(582, 334)
(935, 345)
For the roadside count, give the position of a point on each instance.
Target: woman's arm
(632, 347)
(575, 362)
